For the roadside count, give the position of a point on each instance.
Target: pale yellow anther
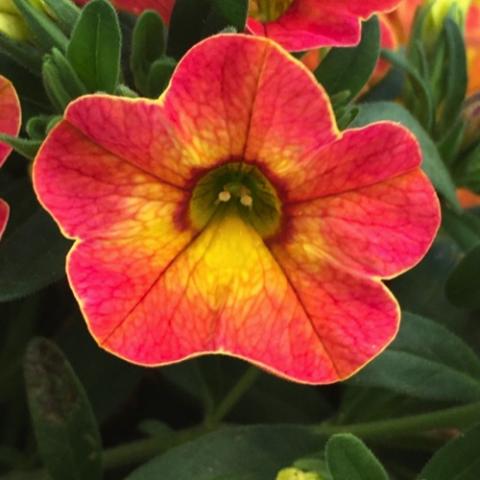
(224, 196)
(246, 200)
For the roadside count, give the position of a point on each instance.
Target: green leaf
(95, 47)
(66, 13)
(457, 460)
(159, 76)
(350, 68)
(348, 458)
(69, 78)
(46, 33)
(256, 452)
(432, 163)
(463, 227)
(66, 431)
(463, 286)
(422, 289)
(38, 127)
(425, 361)
(56, 91)
(193, 20)
(111, 383)
(456, 75)
(60, 80)
(422, 105)
(32, 251)
(24, 146)
(148, 45)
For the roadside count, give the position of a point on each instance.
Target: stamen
(224, 196)
(246, 200)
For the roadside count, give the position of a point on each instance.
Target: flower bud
(296, 474)
(438, 12)
(11, 21)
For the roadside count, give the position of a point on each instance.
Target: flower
(9, 124)
(231, 216)
(163, 7)
(472, 40)
(307, 24)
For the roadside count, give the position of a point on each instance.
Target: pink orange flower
(163, 7)
(231, 216)
(472, 39)
(307, 24)
(9, 124)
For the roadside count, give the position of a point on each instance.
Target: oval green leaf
(66, 431)
(253, 452)
(425, 361)
(348, 69)
(95, 46)
(348, 458)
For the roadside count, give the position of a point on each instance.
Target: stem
(124, 455)
(233, 396)
(456, 417)
(140, 450)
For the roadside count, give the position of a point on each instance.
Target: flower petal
(309, 24)
(240, 108)
(225, 293)
(4, 213)
(91, 192)
(136, 131)
(354, 318)
(163, 7)
(380, 230)
(252, 97)
(361, 157)
(9, 115)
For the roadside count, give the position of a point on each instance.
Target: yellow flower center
(239, 189)
(268, 10)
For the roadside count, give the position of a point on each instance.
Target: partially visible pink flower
(307, 24)
(472, 39)
(163, 7)
(9, 124)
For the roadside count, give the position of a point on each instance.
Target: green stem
(127, 454)
(140, 450)
(233, 396)
(456, 417)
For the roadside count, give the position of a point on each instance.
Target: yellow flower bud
(7, 6)
(296, 474)
(12, 23)
(441, 8)
(13, 26)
